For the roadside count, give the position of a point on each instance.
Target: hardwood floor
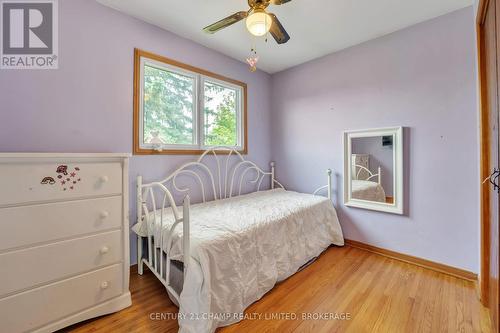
(345, 290)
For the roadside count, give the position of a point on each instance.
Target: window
(180, 109)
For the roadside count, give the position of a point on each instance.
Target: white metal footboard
(158, 260)
(328, 187)
(225, 182)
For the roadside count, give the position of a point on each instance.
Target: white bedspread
(367, 190)
(241, 247)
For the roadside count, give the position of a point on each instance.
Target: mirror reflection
(372, 164)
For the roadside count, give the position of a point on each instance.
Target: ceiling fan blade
(225, 22)
(279, 2)
(277, 31)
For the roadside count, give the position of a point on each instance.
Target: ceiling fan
(258, 21)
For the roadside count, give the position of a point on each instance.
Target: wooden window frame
(137, 149)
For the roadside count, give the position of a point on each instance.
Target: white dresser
(64, 242)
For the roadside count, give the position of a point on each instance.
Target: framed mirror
(373, 169)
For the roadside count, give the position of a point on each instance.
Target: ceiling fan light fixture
(259, 22)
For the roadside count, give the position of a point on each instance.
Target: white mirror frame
(397, 206)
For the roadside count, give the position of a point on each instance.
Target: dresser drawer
(28, 310)
(35, 182)
(22, 226)
(43, 264)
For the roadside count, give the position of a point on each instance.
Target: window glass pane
(220, 115)
(168, 107)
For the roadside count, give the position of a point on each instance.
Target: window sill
(142, 151)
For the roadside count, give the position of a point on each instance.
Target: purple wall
(423, 78)
(86, 105)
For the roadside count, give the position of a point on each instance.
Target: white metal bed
(217, 177)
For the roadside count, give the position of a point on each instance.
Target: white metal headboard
(370, 174)
(221, 183)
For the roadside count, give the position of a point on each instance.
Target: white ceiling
(316, 27)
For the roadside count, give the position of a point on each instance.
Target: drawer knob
(104, 214)
(104, 285)
(104, 250)
(104, 179)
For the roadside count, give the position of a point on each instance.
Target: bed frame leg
(139, 216)
(140, 265)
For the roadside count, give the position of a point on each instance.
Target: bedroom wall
(423, 78)
(86, 105)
